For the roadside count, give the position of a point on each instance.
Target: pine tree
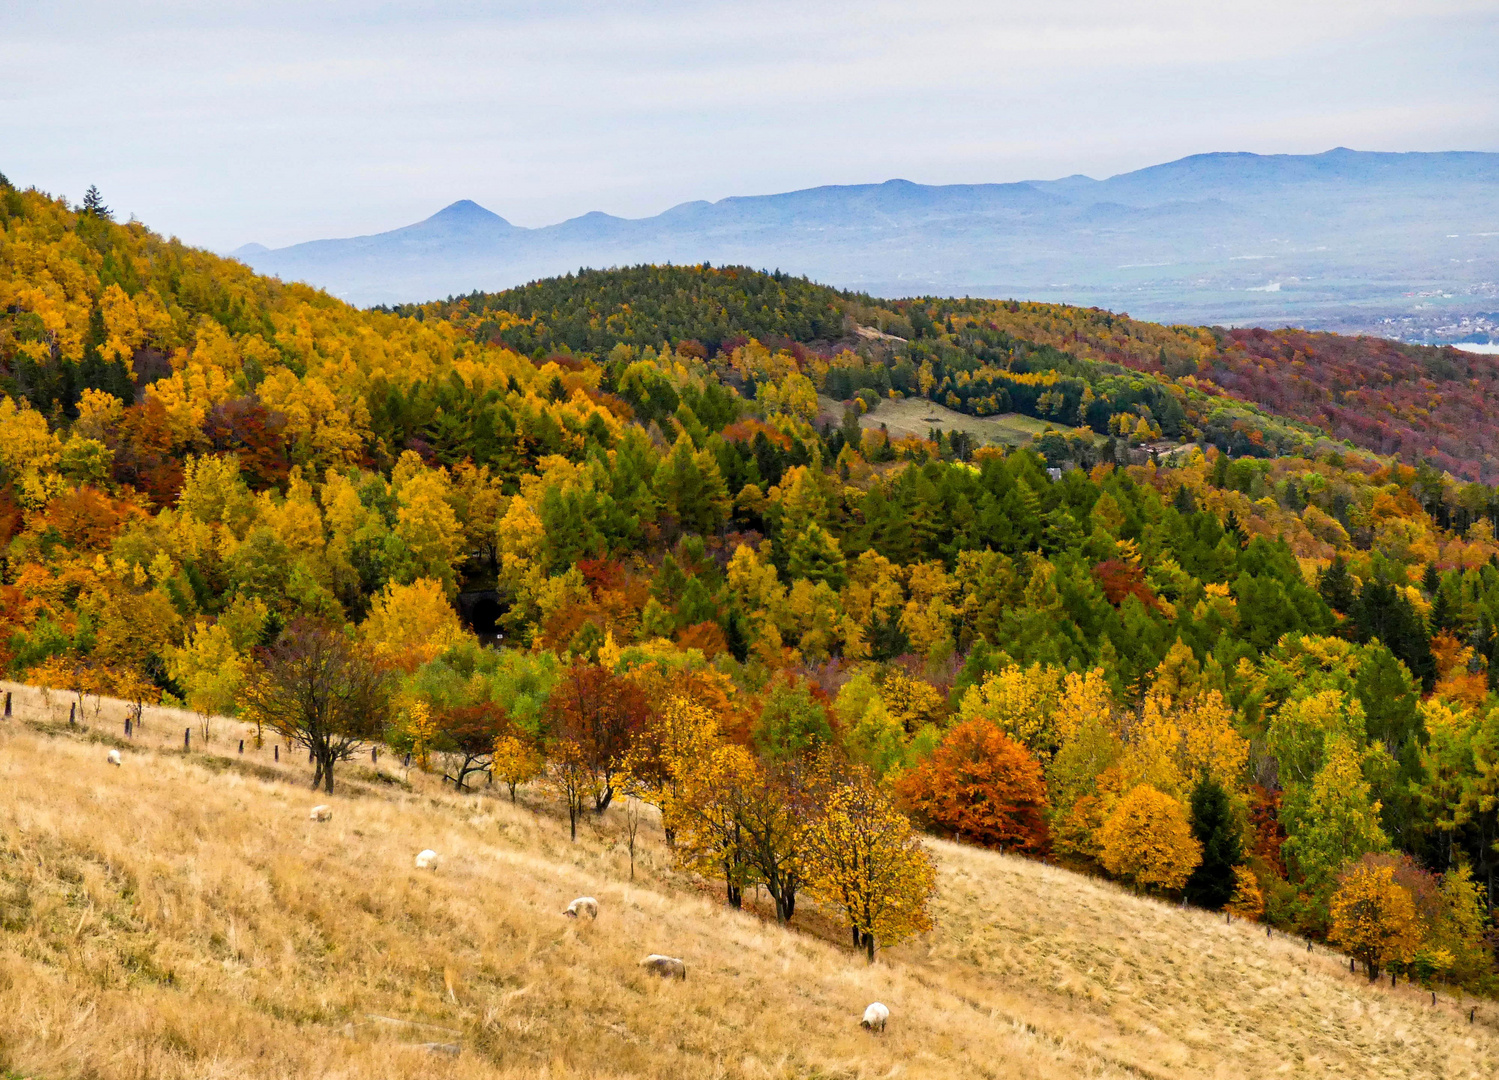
(1212, 884)
(1234, 529)
(1336, 587)
(93, 203)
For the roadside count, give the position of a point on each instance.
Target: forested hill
(1423, 403)
(1266, 680)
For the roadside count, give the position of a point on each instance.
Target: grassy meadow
(180, 916)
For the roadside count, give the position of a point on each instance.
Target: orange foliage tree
(981, 784)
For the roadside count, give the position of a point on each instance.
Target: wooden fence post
(187, 740)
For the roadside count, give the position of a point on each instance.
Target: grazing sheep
(666, 966)
(322, 812)
(427, 860)
(583, 905)
(875, 1017)
(114, 757)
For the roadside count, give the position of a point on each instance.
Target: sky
(277, 122)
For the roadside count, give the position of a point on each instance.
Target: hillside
(1398, 243)
(175, 941)
(691, 536)
(1436, 404)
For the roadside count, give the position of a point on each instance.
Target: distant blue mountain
(1343, 237)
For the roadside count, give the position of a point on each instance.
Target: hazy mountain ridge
(1343, 239)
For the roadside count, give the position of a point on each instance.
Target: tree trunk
(572, 815)
(869, 948)
(855, 931)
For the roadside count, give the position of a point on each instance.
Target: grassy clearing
(171, 919)
(917, 416)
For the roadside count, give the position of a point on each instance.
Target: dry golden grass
(180, 917)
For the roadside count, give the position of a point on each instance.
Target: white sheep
(427, 860)
(321, 812)
(114, 757)
(667, 967)
(583, 905)
(875, 1017)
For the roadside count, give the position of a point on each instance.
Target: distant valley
(1402, 245)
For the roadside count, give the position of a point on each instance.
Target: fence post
(72, 711)
(7, 704)
(242, 746)
(277, 748)
(187, 740)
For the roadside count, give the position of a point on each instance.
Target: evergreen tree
(1212, 883)
(816, 556)
(1382, 612)
(93, 203)
(1335, 586)
(1234, 529)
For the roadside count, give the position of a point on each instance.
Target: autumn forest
(1224, 627)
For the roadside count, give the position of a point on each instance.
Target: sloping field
(918, 416)
(180, 916)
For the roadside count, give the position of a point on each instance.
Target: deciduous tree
(1374, 918)
(862, 858)
(1148, 841)
(317, 688)
(981, 785)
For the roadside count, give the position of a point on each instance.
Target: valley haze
(1402, 245)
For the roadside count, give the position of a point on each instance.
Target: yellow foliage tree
(910, 702)
(1374, 918)
(1247, 902)
(411, 624)
(425, 520)
(1023, 702)
(210, 671)
(1148, 841)
(861, 857)
(707, 814)
(422, 726)
(515, 761)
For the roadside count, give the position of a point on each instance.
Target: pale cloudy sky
(278, 121)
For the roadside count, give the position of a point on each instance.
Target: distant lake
(1468, 346)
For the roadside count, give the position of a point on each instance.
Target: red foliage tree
(1120, 579)
(244, 426)
(599, 715)
(983, 785)
(1269, 833)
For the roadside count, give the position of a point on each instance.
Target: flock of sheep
(668, 967)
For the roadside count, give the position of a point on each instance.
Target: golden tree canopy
(1148, 840)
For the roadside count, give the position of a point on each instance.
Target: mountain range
(1406, 245)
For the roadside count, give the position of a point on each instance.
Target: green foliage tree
(1213, 882)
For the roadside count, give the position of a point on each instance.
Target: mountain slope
(1330, 239)
(217, 929)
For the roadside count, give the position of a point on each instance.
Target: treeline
(594, 310)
